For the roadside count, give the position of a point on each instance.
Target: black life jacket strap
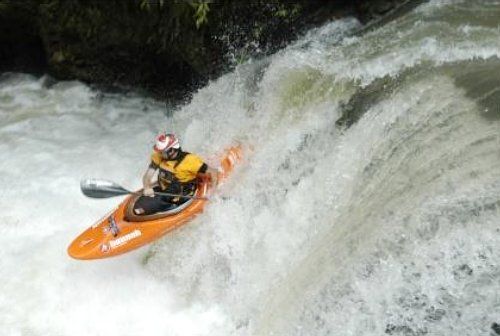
(181, 157)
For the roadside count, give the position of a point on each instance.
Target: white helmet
(166, 141)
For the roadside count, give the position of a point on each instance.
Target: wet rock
(368, 11)
(156, 45)
(21, 47)
(496, 328)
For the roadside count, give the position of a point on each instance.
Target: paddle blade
(95, 188)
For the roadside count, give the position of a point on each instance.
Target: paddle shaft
(103, 189)
(180, 196)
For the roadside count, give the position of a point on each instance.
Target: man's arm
(147, 181)
(208, 172)
(213, 175)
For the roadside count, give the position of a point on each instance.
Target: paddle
(96, 188)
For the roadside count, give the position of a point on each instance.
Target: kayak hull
(114, 234)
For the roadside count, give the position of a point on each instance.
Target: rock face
(21, 48)
(165, 47)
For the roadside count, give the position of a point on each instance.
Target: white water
(388, 227)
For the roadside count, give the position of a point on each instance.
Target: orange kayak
(122, 231)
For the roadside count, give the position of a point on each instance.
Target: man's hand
(213, 178)
(148, 192)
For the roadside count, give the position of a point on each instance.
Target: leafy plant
(201, 13)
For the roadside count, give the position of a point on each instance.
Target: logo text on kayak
(122, 240)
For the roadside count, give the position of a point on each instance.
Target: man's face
(170, 153)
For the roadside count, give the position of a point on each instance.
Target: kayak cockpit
(169, 210)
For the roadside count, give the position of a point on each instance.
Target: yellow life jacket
(184, 169)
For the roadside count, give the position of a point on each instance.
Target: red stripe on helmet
(166, 141)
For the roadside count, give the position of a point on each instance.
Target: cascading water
(389, 226)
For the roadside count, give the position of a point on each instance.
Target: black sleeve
(203, 168)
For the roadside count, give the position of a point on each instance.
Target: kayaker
(178, 172)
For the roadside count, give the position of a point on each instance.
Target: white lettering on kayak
(122, 240)
(86, 241)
